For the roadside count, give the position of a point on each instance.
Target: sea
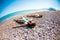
(19, 13)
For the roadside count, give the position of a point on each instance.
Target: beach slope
(47, 27)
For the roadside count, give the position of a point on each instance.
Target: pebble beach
(47, 27)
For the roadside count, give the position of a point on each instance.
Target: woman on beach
(35, 16)
(26, 22)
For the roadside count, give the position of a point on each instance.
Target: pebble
(49, 29)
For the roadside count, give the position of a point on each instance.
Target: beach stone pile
(47, 28)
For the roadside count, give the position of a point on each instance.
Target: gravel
(47, 28)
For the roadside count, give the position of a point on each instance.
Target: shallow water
(16, 13)
(20, 13)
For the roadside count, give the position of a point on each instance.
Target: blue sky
(10, 6)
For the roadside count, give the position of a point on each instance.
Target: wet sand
(47, 28)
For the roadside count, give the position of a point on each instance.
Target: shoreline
(46, 26)
(15, 16)
(24, 14)
(19, 15)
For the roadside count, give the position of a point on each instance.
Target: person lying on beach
(35, 15)
(25, 22)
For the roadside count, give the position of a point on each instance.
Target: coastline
(47, 25)
(19, 13)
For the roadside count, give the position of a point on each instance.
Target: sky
(10, 6)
